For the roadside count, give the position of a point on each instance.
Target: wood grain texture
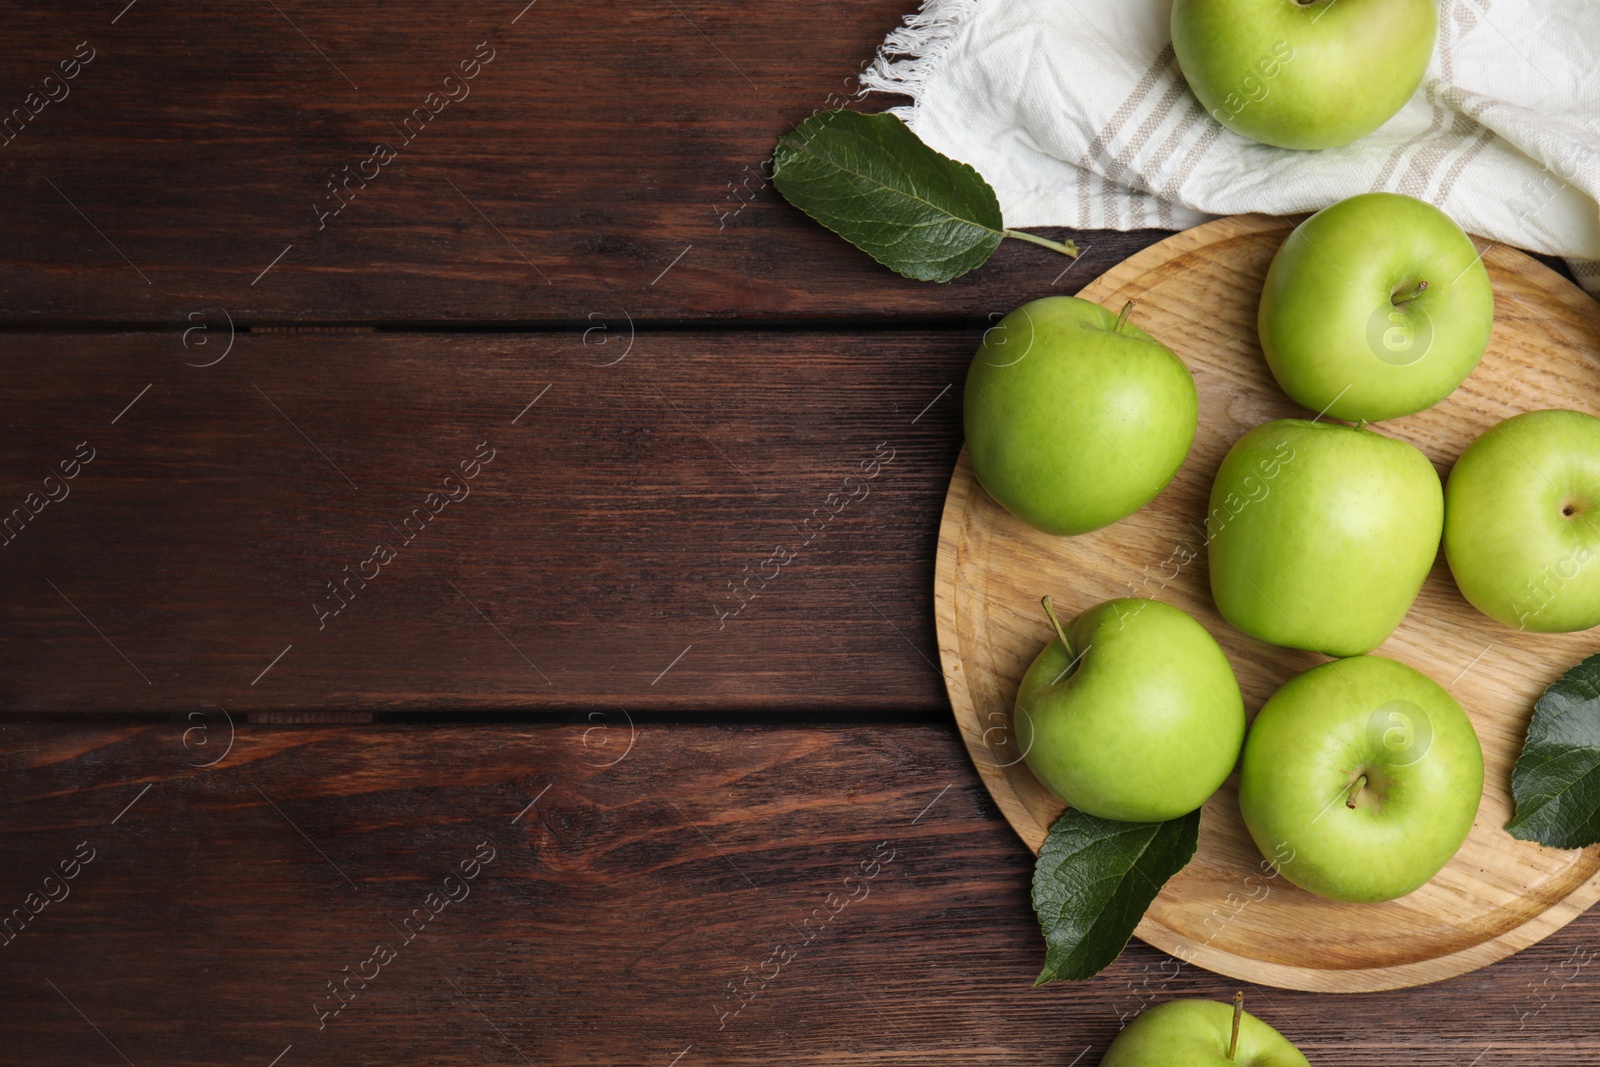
(655, 470)
(615, 912)
(603, 144)
(1199, 291)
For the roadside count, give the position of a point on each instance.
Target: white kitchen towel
(1077, 114)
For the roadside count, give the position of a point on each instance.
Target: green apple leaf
(1556, 782)
(1094, 880)
(872, 181)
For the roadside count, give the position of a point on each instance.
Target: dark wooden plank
(599, 144)
(614, 915)
(599, 544)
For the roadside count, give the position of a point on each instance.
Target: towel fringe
(911, 55)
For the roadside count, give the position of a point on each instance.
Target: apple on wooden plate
(1074, 416)
(1522, 521)
(1131, 713)
(1375, 307)
(1362, 777)
(1320, 535)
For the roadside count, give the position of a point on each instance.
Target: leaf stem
(1068, 248)
(1238, 1016)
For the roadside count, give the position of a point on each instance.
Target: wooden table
(577, 676)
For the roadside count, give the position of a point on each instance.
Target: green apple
(1362, 777)
(1522, 521)
(1317, 74)
(1320, 534)
(1376, 307)
(1132, 712)
(1075, 417)
(1200, 1033)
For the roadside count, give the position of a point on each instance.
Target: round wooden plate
(1197, 291)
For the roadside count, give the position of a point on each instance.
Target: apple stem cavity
(1067, 248)
(1355, 791)
(1238, 1017)
(1410, 294)
(1123, 316)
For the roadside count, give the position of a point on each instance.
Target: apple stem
(1122, 317)
(1412, 294)
(1238, 1016)
(1050, 611)
(1355, 791)
(1067, 248)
